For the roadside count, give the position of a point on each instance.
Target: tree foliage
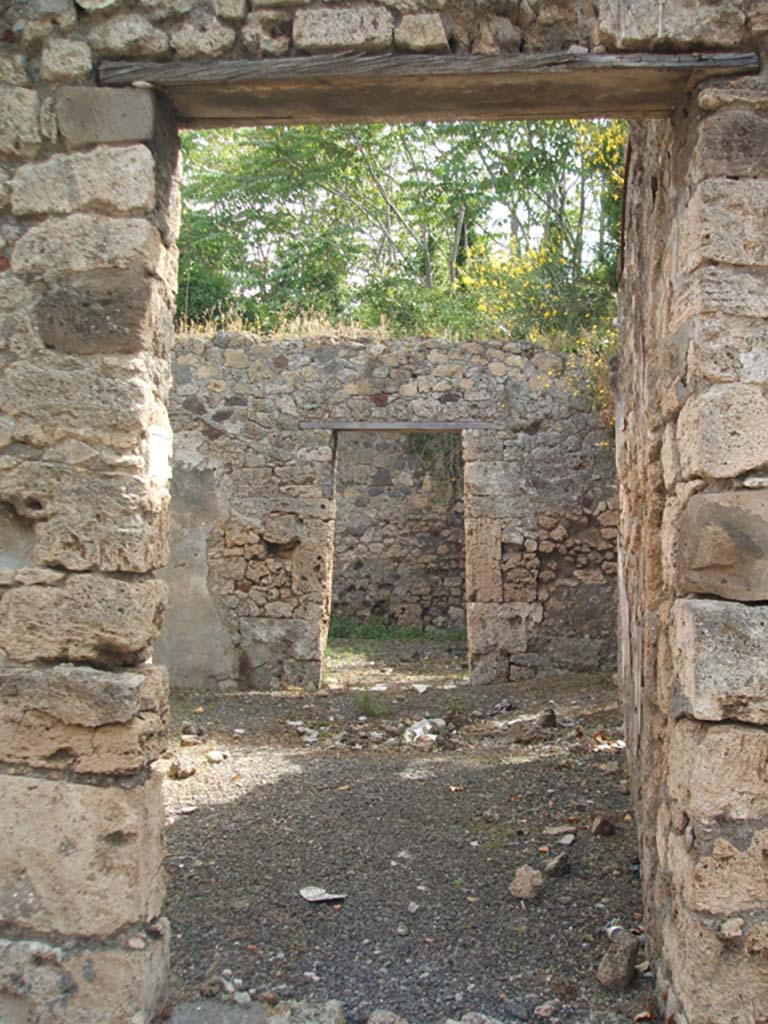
(472, 229)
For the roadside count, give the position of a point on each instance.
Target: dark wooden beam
(390, 87)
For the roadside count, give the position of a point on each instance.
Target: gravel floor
(423, 843)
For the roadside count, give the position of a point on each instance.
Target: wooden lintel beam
(392, 87)
(429, 427)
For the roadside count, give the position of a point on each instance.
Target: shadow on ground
(423, 844)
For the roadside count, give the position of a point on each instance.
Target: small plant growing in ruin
(368, 704)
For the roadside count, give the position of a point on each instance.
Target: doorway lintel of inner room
(411, 427)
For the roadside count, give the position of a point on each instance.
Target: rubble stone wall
(539, 500)
(692, 457)
(65, 40)
(399, 543)
(88, 218)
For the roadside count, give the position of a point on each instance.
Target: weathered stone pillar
(497, 512)
(284, 613)
(693, 455)
(89, 196)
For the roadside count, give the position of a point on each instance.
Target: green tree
(464, 228)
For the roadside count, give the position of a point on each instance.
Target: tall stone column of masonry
(89, 217)
(694, 468)
(273, 559)
(497, 511)
(253, 516)
(289, 507)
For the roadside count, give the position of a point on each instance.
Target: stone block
(51, 401)
(60, 514)
(497, 35)
(716, 982)
(233, 9)
(85, 241)
(721, 659)
(130, 34)
(726, 880)
(88, 115)
(312, 562)
(111, 524)
(751, 91)
(79, 695)
(487, 667)
(707, 225)
(720, 290)
(65, 60)
(41, 18)
(718, 771)
(492, 479)
(106, 622)
(757, 13)
(723, 432)
(80, 859)
(725, 349)
(300, 638)
(19, 122)
(201, 35)
(106, 311)
(122, 981)
(483, 560)
(282, 651)
(13, 70)
(732, 142)
(17, 334)
(83, 719)
(105, 180)
(501, 626)
(421, 33)
(520, 583)
(722, 545)
(482, 445)
(363, 27)
(267, 32)
(650, 24)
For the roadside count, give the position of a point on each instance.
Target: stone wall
(692, 456)
(65, 40)
(399, 543)
(253, 422)
(88, 217)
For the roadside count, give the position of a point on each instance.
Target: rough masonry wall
(399, 544)
(67, 39)
(693, 455)
(539, 501)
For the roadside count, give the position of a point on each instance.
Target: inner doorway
(398, 611)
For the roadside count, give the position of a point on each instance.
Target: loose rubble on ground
(422, 850)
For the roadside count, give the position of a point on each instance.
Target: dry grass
(310, 325)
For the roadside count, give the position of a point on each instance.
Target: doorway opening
(398, 610)
(415, 804)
